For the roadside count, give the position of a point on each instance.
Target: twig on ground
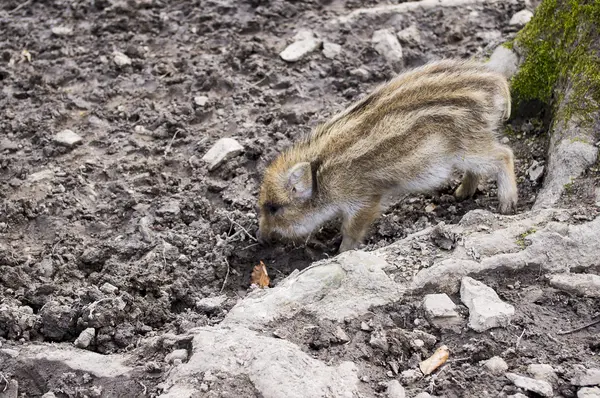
(168, 148)
(552, 338)
(239, 225)
(164, 251)
(226, 276)
(561, 332)
(519, 338)
(5, 381)
(17, 8)
(460, 359)
(144, 387)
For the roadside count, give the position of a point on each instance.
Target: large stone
(505, 61)
(589, 377)
(439, 306)
(486, 310)
(496, 365)
(521, 18)
(345, 286)
(588, 392)
(276, 368)
(386, 44)
(121, 59)
(542, 371)
(410, 36)
(540, 387)
(580, 284)
(61, 30)
(67, 138)
(223, 149)
(395, 389)
(304, 43)
(331, 50)
(85, 338)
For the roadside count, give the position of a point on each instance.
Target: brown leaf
(438, 358)
(259, 276)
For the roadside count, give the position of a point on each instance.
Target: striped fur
(408, 135)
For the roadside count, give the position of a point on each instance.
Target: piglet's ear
(299, 181)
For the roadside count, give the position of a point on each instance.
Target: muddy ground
(128, 230)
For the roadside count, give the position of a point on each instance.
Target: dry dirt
(128, 230)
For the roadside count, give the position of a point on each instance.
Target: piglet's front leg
(356, 224)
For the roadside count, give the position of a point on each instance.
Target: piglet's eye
(272, 208)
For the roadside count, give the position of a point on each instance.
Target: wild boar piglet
(407, 136)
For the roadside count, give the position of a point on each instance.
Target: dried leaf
(439, 357)
(259, 276)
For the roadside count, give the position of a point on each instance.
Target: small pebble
(67, 138)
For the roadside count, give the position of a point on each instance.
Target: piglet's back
(455, 98)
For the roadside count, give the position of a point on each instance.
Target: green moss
(509, 44)
(521, 237)
(558, 43)
(578, 139)
(569, 187)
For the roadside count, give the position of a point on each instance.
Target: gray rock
(111, 366)
(340, 335)
(540, 387)
(588, 392)
(8, 145)
(423, 395)
(521, 18)
(379, 340)
(108, 288)
(67, 138)
(395, 389)
(410, 36)
(201, 100)
(85, 338)
(222, 150)
(360, 73)
(517, 395)
(589, 377)
(410, 376)
(61, 31)
(496, 365)
(329, 289)
(10, 390)
(505, 61)
(486, 310)
(49, 394)
(331, 50)
(121, 59)
(41, 175)
(387, 44)
(542, 371)
(180, 355)
(9, 352)
(170, 208)
(240, 351)
(580, 284)
(439, 306)
(211, 304)
(304, 43)
(535, 172)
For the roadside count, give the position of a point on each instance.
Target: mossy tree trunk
(561, 68)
